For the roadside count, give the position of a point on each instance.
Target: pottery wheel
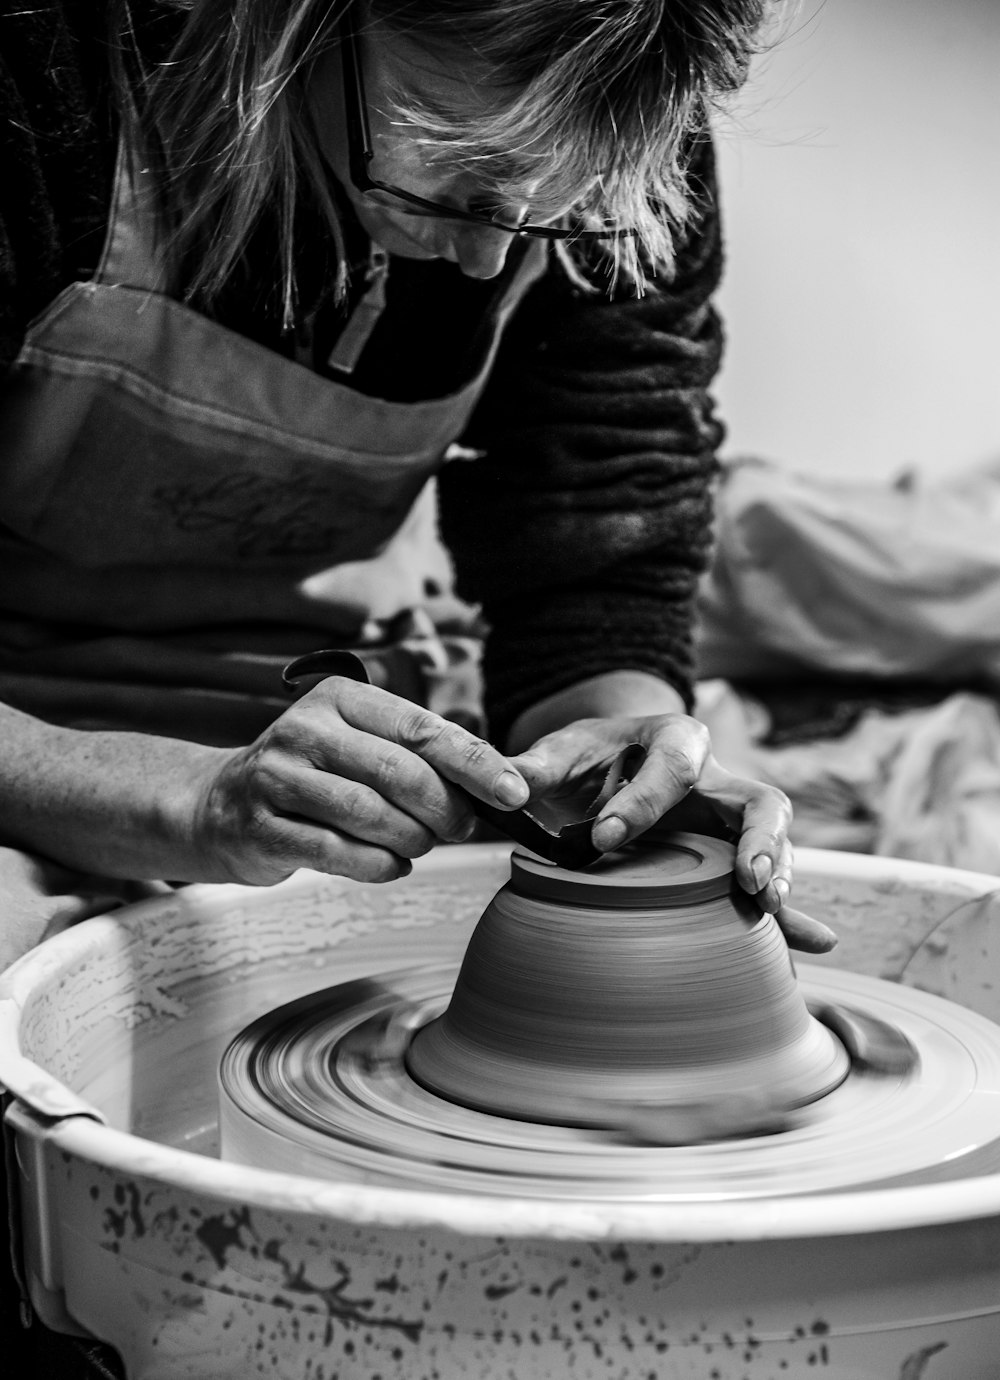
(320, 1087)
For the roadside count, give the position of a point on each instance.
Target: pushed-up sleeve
(583, 526)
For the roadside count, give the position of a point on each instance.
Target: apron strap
(130, 256)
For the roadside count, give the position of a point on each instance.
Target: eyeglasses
(361, 155)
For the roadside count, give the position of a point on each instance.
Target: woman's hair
(598, 102)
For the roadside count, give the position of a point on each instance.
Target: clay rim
(621, 881)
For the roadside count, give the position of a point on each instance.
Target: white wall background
(861, 192)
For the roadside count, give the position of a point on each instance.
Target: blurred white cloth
(815, 574)
(921, 784)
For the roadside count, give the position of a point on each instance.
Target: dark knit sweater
(583, 529)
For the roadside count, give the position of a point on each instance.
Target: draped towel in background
(848, 577)
(821, 586)
(923, 784)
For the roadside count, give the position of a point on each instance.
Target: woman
(266, 268)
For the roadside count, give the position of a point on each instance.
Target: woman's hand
(350, 780)
(566, 767)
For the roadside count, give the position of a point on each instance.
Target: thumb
(541, 766)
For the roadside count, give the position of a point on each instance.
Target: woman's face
(393, 62)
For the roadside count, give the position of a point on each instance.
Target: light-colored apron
(183, 509)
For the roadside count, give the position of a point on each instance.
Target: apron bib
(183, 509)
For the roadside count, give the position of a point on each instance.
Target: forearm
(350, 780)
(119, 804)
(612, 694)
(637, 615)
(584, 527)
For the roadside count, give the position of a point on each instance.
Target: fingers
(350, 780)
(804, 933)
(245, 836)
(677, 748)
(679, 759)
(282, 846)
(458, 755)
(763, 815)
(353, 808)
(354, 777)
(356, 758)
(764, 854)
(560, 759)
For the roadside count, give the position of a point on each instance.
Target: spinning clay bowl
(412, 1236)
(649, 982)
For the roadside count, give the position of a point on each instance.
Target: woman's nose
(481, 251)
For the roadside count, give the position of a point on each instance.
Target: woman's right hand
(350, 780)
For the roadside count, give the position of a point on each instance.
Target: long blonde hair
(606, 98)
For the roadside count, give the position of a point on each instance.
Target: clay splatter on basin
(137, 1233)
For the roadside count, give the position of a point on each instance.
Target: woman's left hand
(565, 770)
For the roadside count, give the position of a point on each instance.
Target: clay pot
(651, 983)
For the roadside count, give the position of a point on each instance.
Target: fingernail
(609, 833)
(761, 868)
(827, 937)
(782, 889)
(464, 831)
(510, 789)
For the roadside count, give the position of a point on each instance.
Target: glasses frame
(361, 154)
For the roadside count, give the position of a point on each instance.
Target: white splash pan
(133, 1232)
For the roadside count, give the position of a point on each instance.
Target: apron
(185, 510)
